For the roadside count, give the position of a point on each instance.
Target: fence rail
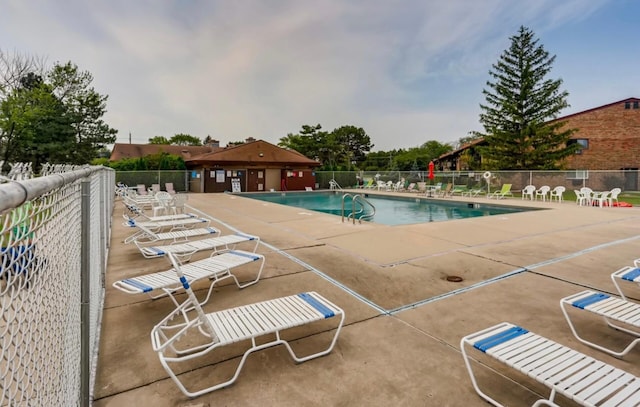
(54, 235)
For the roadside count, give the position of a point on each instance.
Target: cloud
(407, 72)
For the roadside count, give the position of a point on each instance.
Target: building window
(636, 104)
(627, 105)
(578, 174)
(582, 142)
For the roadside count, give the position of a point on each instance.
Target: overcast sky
(405, 71)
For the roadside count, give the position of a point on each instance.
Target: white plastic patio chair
(542, 192)
(187, 333)
(588, 195)
(557, 193)
(528, 191)
(581, 199)
(603, 199)
(614, 195)
(179, 202)
(162, 204)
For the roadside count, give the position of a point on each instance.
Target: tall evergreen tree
(521, 105)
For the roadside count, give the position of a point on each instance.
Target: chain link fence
(627, 180)
(54, 235)
(179, 179)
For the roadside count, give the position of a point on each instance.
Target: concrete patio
(404, 319)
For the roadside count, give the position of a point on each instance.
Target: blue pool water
(389, 210)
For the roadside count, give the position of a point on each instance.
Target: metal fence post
(85, 287)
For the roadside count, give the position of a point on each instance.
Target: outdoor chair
(187, 333)
(446, 192)
(528, 192)
(142, 189)
(557, 193)
(581, 198)
(412, 187)
(614, 195)
(602, 199)
(504, 191)
(626, 274)
(581, 378)
(214, 268)
(169, 187)
(178, 228)
(613, 310)
(542, 192)
(188, 248)
(162, 204)
(588, 195)
(179, 202)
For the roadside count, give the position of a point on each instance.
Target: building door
(255, 180)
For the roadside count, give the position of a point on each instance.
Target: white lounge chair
(611, 309)
(188, 333)
(217, 267)
(581, 378)
(189, 248)
(629, 274)
(152, 231)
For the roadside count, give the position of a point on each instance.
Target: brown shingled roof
(256, 152)
(121, 150)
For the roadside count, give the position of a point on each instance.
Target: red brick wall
(614, 137)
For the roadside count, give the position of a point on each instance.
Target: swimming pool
(390, 210)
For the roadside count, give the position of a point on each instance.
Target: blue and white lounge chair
(184, 250)
(178, 229)
(627, 274)
(614, 310)
(187, 333)
(583, 379)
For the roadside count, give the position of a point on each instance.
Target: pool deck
(400, 345)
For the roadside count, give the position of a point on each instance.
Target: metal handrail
(333, 184)
(357, 198)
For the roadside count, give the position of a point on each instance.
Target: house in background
(122, 151)
(609, 136)
(255, 165)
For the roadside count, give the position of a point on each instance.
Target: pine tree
(521, 105)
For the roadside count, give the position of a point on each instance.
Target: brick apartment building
(609, 136)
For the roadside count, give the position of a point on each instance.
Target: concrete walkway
(400, 343)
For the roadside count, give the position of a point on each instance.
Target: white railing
(54, 234)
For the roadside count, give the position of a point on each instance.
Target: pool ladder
(361, 210)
